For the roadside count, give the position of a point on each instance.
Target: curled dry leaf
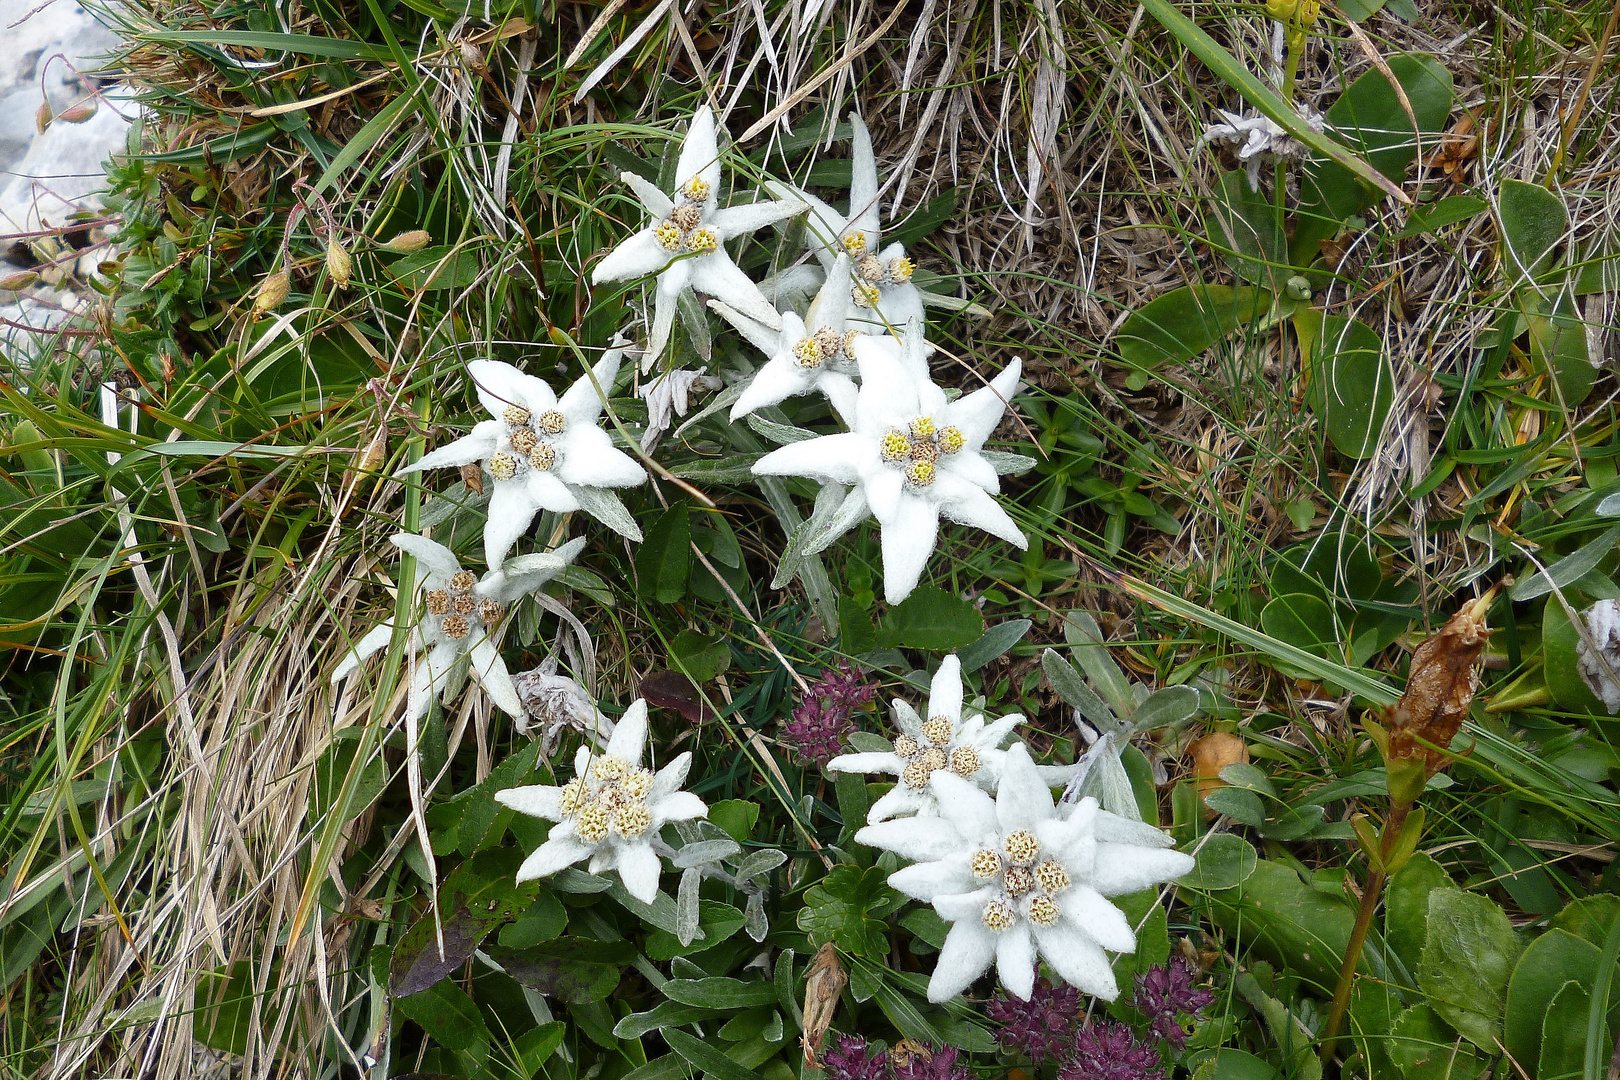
(1211, 754)
(823, 984)
(1440, 688)
(473, 477)
(908, 1050)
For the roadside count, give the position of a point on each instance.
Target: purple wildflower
(822, 721)
(1164, 993)
(1109, 1051)
(851, 1059)
(933, 1065)
(1041, 1027)
(843, 685)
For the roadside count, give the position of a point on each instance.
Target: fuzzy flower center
(873, 275)
(1028, 884)
(608, 798)
(916, 448)
(684, 230)
(934, 752)
(459, 611)
(529, 443)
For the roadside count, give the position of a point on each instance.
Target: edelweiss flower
(540, 449)
(554, 704)
(912, 457)
(970, 749)
(881, 286)
(806, 355)
(611, 811)
(1258, 136)
(1016, 877)
(462, 615)
(685, 244)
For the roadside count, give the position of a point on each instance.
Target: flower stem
(1371, 892)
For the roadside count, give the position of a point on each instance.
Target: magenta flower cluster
(1050, 1026)
(823, 720)
(850, 1058)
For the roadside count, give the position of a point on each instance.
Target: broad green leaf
(1229, 1064)
(1447, 211)
(1425, 1047)
(1369, 117)
(1072, 687)
(932, 619)
(1352, 385)
(570, 978)
(1246, 223)
(1568, 570)
(1239, 805)
(717, 921)
(1468, 956)
(1558, 344)
(452, 1018)
(735, 816)
(993, 644)
(1090, 651)
(1551, 960)
(1289, 923)
(664, 1014)
(1223, 861)
(1563, 1035)
(701, 657)
(664, 559)
(1165, 707)
(476, 897)
(1182, 323)
(1560, 662)
(1304, 621)
(543, 920)
(839, 909)
(1533, 222)
(1406, 906)
(719, 992)
(440, 267)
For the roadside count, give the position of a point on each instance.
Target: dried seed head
(932, 758)
(552, 422)
(984, 864)
(473, 478)
(1044, 911)
(272, 291)
(339, 264)
(515, 415)
(824, 983)
(830, 342)
(895, 446)
(1051, 876)
(454, 627)
(869, 268)
(951, 440)
(524, 439)
(543, 457)
(1440, 687)
(807, 351)
(463, 581)
(18, 281)
(850, 338)
(1021, 847)
(702, 240)
(921, 473)
(1020, 879)
(501, 465)
(491, 612)
(669, 236)
(463, 603)
(438, 602)
(964, 761)
(924, 450)
(999, 916)
(686, 218)
(937, 730)
(905, 746)
(410, 241)
(916, 776)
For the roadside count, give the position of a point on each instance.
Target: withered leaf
(823, 983)
(672, 690)
(1440, 687)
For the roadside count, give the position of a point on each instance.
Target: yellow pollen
(543, 457)
(438, 602)
(686, 218)
(895, 446)
(865, 296)
(668, 236)
(1019, 880)
(855, 244)
(454, 627)
(922, 427)
(1044, 911)
(608, 767)
(524, 439)
(999, 916)
(951, 440)
(502, 466)
(702, 241)
(1051, 877)
(637, 783)
(1021, 847)
(515, 415)
(697, 189)
(808, 352)
(552, 422)
(921, 473)
(905, 746)
(463, 603)
(984, 864)
(900, 270)
(490, 613)
(632, 819)
(870, 269)
(964, 761)
(937, 730)
(916, 775)
(462, 581)
(572, 796)
(591, 826)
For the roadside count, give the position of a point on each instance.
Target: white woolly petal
(680, 806)
(906, 718)
(671, 777)
(999, 731)
(945, 691)
(1103, 922)
(700, 153)
(968, 810)
(1126, 868)
(884, 488)
(925, 881)
(553, 855)
(903, 802)
(774, 383)
(718, 276)
(548, 492)
(475, 446)
(969, 948)
(376, 638)
(968, 504)
(1015, 960)
(536, 801)
(655, 202)
(874, 762)
(747, 217)
(637, 257)
(863, 181)
(630, 736)
(977, 414)
(429, 554)
(1600, 670)
(589, 459)
(511, 511)
(907, 544)
(670, 283)
(499, 385)
(829, 457)
(918, 839)
(1121, 830)
(581, 403)
(490, 671)
(638, 868)
(968, 906)
(1022, 800)
(1077, 959)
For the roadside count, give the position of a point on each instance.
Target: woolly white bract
(969, 748)
(1019, 878)
(685, 242)
(1600, 669)
(912, 458)
(1258, 138)
(881, 287)
(540, 450)
(460, 615)
(611, 811)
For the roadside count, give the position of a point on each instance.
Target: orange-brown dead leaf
(823, 984)
(1441, 686)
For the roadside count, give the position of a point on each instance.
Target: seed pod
(339, 264)
(407, 242)
(78, 114)
(272, 291)
(43, 117)
(823, 984)
(18, 281)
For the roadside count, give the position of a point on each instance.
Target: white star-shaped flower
(1019, 878)
(1258, 137)
(460, 614)
(611, 812)
(806, 355)
(881, 290)
(685, 243)
(912, 458)
(969, 748)
(539, 450)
